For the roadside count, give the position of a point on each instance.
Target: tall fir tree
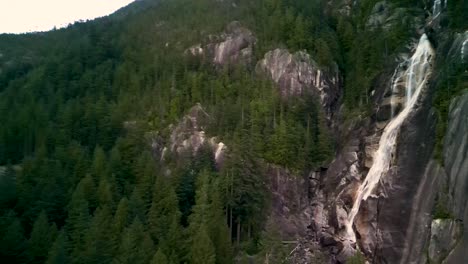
(58, 253)
(13, 243)
(41, 239)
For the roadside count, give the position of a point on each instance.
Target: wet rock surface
(393, 224)
(401, 192)
(456, 167)
(444, 236)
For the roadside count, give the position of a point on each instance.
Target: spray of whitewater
(437, 8)
(415, 77)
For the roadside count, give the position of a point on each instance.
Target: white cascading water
(416, 77)
(395, 80)
(436, 8)
(463, 49)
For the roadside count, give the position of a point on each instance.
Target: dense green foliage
(358, 258)
(78, 179)
(76, 106)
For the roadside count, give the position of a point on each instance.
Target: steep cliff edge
(390, 199)
(453, 248)
(299, 75)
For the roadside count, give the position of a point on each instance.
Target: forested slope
(80, 181)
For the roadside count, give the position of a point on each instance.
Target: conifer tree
(219, 231)
(12, 243)
(87, 187)
(159, 258)
(99, 166)
(202, 250)
(135, 245)
(146, 178)
(121, 216)
(58, 253)
(136, 205)
(98, 241)
(77, 221)
(7, 186)
(201, 209)
(42, 237)
(164, 211)
(105, 196)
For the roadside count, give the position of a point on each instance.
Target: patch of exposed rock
(188, 136)
(290, 210)
(445, 234)
(298, 74)
(385, 16)
(392, 224)
(341, 7)
(456, 171)
(234, 46)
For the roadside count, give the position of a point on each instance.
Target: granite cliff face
(236, 47)
(290, 210)
(233, 46)
(188, 136)
(449, 235)
(414, 209)
(299, 75)
(382, 193)
(365, 192)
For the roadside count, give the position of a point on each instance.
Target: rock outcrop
(234, 46)
(385, 16)
(445, 234)
(392, 223)
(189, 133)
(188, 136)
(290, 210)
(298, 74)
(456, 169)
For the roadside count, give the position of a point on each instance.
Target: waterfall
(415, 78)
(436, 8)
(395, 80)
(463, 49)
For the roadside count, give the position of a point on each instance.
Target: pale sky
(18, 16)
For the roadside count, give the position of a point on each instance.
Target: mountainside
(238, 131)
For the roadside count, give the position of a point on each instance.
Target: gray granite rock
(298, 74)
